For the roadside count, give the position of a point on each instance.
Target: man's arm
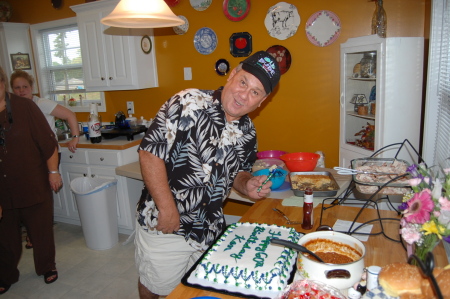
(155, 178)
(248, 185)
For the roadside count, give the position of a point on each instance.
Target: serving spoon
(296, 247)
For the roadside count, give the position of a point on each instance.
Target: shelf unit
(398, 86)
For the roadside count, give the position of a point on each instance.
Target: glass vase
(379, 19)
(429, 243)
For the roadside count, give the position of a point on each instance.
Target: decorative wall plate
(323, 28)
(182, 29)
(146, 44)
(236, 10)
(282, 20)
(282, 56)
(240, 44)
(200, 5)
(172, 3)
(205, 41)
(222, 67)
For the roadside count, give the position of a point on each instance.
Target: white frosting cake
(243, 258)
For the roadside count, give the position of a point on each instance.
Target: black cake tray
(190, 280)
(129, 133)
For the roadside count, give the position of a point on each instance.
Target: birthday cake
(243, 259)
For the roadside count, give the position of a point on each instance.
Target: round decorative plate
(205, 41)
(282, 20)
(172, 3)
(200, 5)
(236, 10)
(182, 29)
(222, 67)
(323, 28)
(282, 56)
(5, 11)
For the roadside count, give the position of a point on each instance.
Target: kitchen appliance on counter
(121, 122)
(129, 133)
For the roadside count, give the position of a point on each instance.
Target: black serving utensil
(295, 246)
(427, 270)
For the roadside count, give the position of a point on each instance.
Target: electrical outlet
(130, 107)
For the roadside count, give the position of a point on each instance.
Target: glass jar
(368, 65)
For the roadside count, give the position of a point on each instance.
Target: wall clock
(146, 44)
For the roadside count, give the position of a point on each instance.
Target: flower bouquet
(426, 210)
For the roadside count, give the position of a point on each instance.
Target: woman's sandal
(50, 276)
(4, 288)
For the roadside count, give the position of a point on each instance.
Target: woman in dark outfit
(28, 174)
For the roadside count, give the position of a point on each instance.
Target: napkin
(343, 225)
(296, 201)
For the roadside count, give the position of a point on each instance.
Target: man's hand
(168, 221)
(253, 185)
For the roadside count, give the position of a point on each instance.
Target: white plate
(205, 41)
(323, 28)
(182, 29)
(200, 5)
(282, 20)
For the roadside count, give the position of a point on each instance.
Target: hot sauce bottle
(308, 219)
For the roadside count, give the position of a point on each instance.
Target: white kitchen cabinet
(398, 85)
(98, 163)
(112, 57)
(15, 39)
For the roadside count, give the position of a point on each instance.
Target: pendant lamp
(142, 14)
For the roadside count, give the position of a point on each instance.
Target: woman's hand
(72, 144)
(55, 181)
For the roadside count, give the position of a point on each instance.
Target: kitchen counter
(380, 250)
(118, 143)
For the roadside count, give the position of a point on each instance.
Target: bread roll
(443, 280)
(400, 278)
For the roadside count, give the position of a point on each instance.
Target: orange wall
(303, 113)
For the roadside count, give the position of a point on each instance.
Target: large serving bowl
(341, 276)
(277, 179)
(272, 154)
(266, 163)
(301, 161)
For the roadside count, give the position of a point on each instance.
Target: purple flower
(447, 239)
(403, 206)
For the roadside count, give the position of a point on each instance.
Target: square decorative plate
(240, 44)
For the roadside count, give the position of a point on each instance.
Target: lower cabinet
(95, 163)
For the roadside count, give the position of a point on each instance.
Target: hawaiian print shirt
(203, 154)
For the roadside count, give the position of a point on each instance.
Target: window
(59, 65)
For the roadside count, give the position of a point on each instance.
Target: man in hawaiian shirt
(200, 144)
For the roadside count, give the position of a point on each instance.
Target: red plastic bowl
(272, 154)
(298, 162)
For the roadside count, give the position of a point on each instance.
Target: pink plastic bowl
(270, 154)
(298, 162)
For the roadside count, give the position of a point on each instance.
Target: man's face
(242, 94)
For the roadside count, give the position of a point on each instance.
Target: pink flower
(445, 203)
(447, 171)
(414, 182)
(419, 207)
(410, 234)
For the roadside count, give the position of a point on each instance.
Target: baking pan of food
(369, 183)
(322, 183)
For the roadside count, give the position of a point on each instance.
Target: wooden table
(380, 250)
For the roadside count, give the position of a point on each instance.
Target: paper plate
(222, 67)
(205, 41)
(282, 56)
(200, 5)
(172, 3)
(182, 29)
(236, 10)
(282, 20)
(323, 28)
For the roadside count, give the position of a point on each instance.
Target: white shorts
(162, 260)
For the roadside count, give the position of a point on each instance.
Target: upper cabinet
(15, 49)
(384, 77)
(113, 58)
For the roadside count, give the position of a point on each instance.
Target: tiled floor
(83, 273)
